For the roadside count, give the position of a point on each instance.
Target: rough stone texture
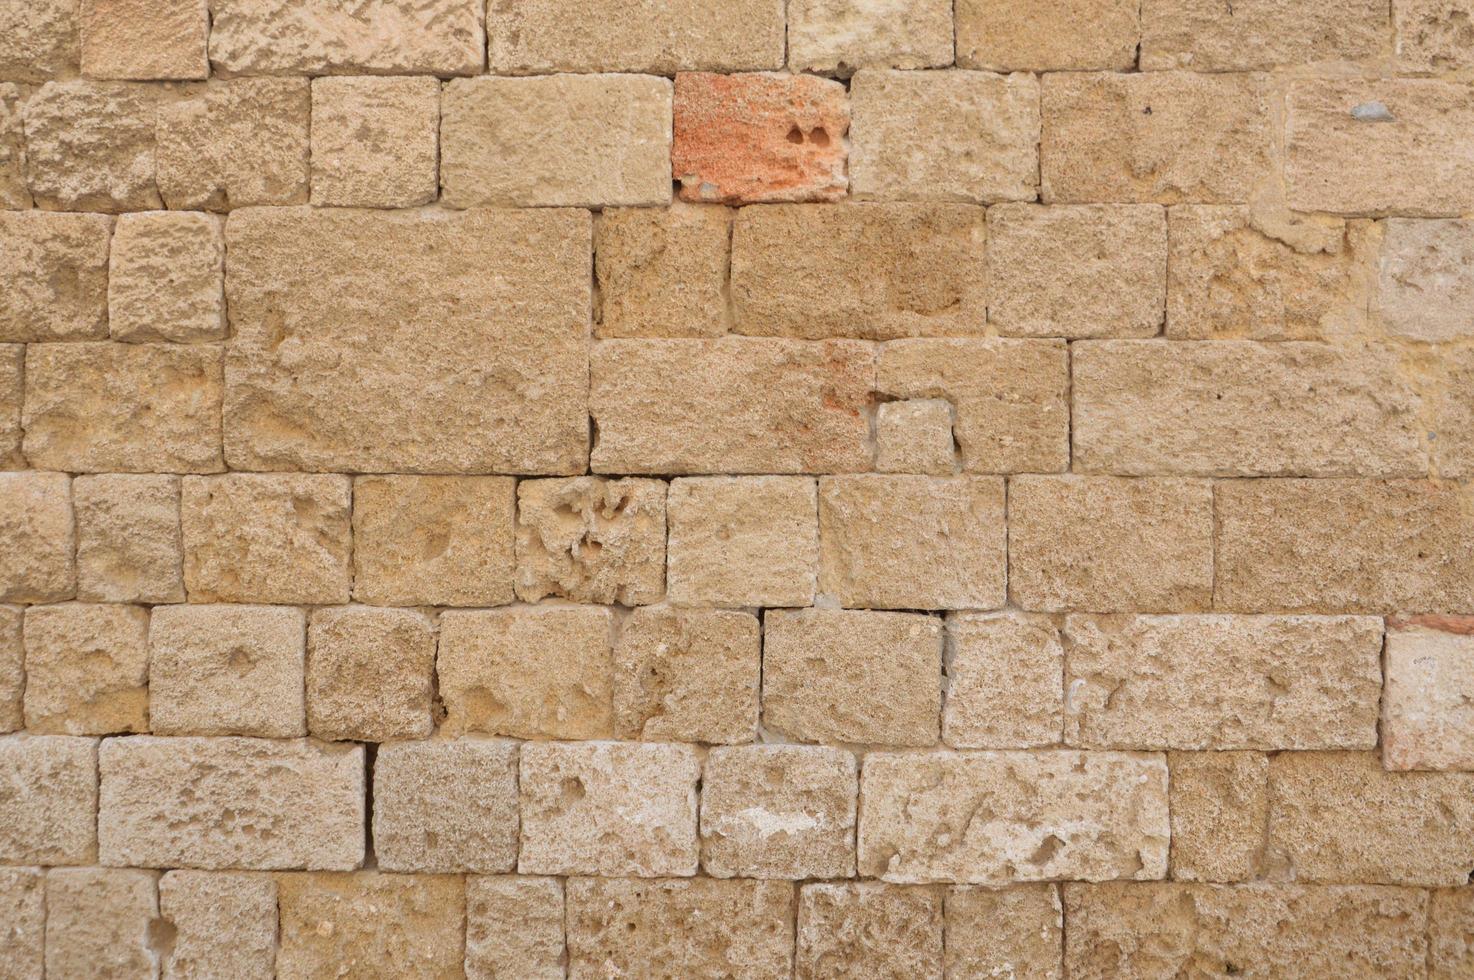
(915, 436)
(999, 817)
(912, 542)
(1220, 809)
(873, 271)
(847, 675)
(56, 273)
(608, 808)
(12, 383)
(13, 670)
(48, 799)
(1003, 681)
(23, 919)
(144, 39)
(591, 540)
(369, 674)
(662, 273)
(1450, 933)
(224, 925)
(36, 537)
(166, 278)
(779, 811)
(743, 541)
(129, 547)
(99, 923)
(1206, 35)
(255, 537)
(218, 803)
(446, 805)
(86, 669)
(687, 675)
(514, 928)
(1446, 377)
(528, 672)
(944, 136)
(764, 136)
(38, 39)
(1050, 35)
(375, 141)
(839, 36)
(1433, 35)
(1426, 284)
(1428, 705)
(454, 370)
(1125, 137)
(1108, 544)
(560, 140)
(13, 190)
(433, 540)
(868, 929)
(1004, 932)
(90, 146)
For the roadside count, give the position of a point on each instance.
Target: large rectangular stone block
(1428, 704)
(1047, 35)
(90, 146)
(1208, 35)
(56, 276)
(48, 799)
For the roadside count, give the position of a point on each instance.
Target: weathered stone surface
(166, 278)
(446, 805)
(1450, 933)
(662, 272)
(454, 370)
(869, 929)
(685, 406)
(1041, 815)
(1428, 704)
(874, 271)
(218, 803)
(36, 537)
(528, 672)
(687, 675)
(591, 540)
(1220, 809)
(56, 273)
(12, 384)
(1433, 35)
(944, 136)
(1050, 35)
(559, 140)
(912, 542)
(514, 928)
(144, 39)
(13, 671)
(375, 141)
(1205, 35)
(1163, 137)
(224, 925)
(38, 39)
(838, 36)
(133, 408)
(86, 669)
(1426, 283)
(128, 539)
(23, 915)
(849, 675)
(690, 928)
(433, 540)
(256, 537)
(369, 674)
(743, 541)
(48, 799)
(1001, 932)
(1003, 681)
(763, 136)
(1445, 375)
(915, 436)
(90, 145)
(13, 190)
(99, 923)
(608, 808)
(779, 811)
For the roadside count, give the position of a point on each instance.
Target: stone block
(446, 805)
(13, 190)
(39, 39)
(166, 277)
(86, 669)
(743, 541)
(998, 931)
(1220, 812)
(56, 271)
(1428, 703)
(145, 39)
(870, 929)
(129, 547)
(1052, 35)
(1426, 279)
(99, 923)
(12, 395)
(48, 800)
(514, 927)
(589, 539)
(1003, 681)
(90, 146)
(375, 141)
(1432, 35)
(13, 671)
(370, 674)
(839, 36)
(915, 436)
(37, 537)
(1450, 933)
(662, 272)
(23, 917)
(1206, 36)
(224, 924)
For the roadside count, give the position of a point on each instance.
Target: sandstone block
(1206, 36)
(369, 674)
(847, 675)
(1003, 681)
(662, 272)
(608, 808)
(433, 540)
(255, 537)
(1432, 35)
(23, 917)
(915, 436)
(36, 537)
(90, 146)
(13, 671)
(13, 190)
(514, 928)
(743, 541)
(56, 271)
(1426, 284)
(446, 805)
(994, 932)
(839, 36)
(375, 141)
(1050, 814)
(1446, 377)
(1054, 35)
(1220, 809)
(145, 39)
(48, 799)
(99, 923)
(38, 39)
(224, 924)
(1428, 704)
(217, 803)
(455, 370)
(1450, 933)
(591, 540)
(866, 928)
(128, 540)
(944, 136)
(687, 675)
(878, 271)
(86, 669)
(166, 277)
(12, 383)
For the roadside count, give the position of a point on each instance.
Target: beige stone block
(48, 799)
(1009, 398)
(128, 540)
(56, 273)
(1050, 814)
(375, 141)
(1446, 378)
(852, 675)
(99, 923)
(39, 39)
(133, 408)
(559, 140)
(944, 136)
(514, 928)
(915, 436)
(1206, 36)
(36, 537)
(90, 146)
(1077, 270)
(1003, 681)
(1220, 811)
(687, 675)
(662, 272)
(1052, 35)
(224, 924)
(868, 929)
(608, 808)
(366, 925)
(369, 674)
(1206, 138)
(13, 190)
(12, 384)
(86, 669)
(694, 927)
(779, 811)
(1388, 146)
(839, 36)
(23, 918)
(217, 803)
(13, 671)
(686, 406)
(166, 277)
(145, 39)
(589, 539)
(912, 542)
(1428, 704)
(1450, 933)
(433, 540)
(528, 672)
(743, 541)
(1432, 35)
(872, 271)
(997, 932)
(1426, 286)
(446, 805)
(455, 370)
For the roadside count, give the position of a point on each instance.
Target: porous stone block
(839, 36)
(128, 540)
(944, 136)
(743, 541)
(589, 539)
(90, 146)
(662, 272)
(1450, 933)
(514, 927)
(866, 928)
(556, 140)
(369, 674)
(915, 436)
(994, 932)
(1428, 703)
(608, 808)
(99, 923)
(166, 277)
(1432, 35)
(1220, 810)
(446, 805)
(224, 924)
(48, 799)
(23, 918)
(1426, 279)
(13, 190)
(86, 669)
(56, 273)
(39, 39)
(1003, 681)
(13, 671)
(1207, 36)
(37, 536)
(375, 141)
(12, 384)
(145, 39)
(851, 675)
(1446, 381)
(1051, 35)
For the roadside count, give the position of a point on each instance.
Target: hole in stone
(795, 135)
(819, 137)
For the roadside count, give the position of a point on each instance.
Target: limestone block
(375, 141)
(1220, 809)
(90, 146)
(743, 541)
(514, 927)
(662, 272)
(995, 932)
(1450, 933)
(1003, 681)
(12, 384)
(36, 537)
(13, 190)
(224, 924)
(99, 923)
(1426, 279)
(129, 547)
(1446, 376)
(1206, 36)
(589, 539)
(13, 671)
(915, 436)
(369, 674)
(866, 928)
(86, 669)
(1052, 35)
(839, 36)
(166, 277)
(39, 39)
(48, 799)
(56, 273)
(1432, 35)
(446, 805)
(1428, 704)
(23, 917)
(145, 39)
